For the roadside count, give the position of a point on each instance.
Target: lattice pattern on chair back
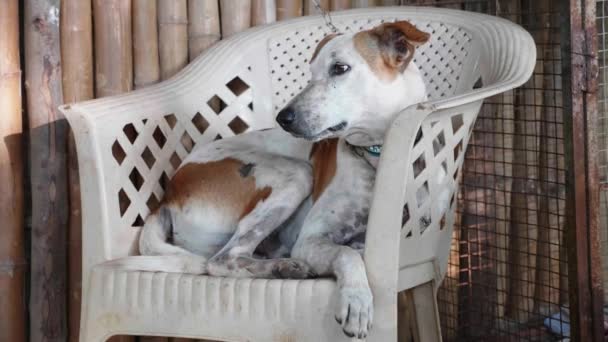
(437, 156)
(441, 60)
(145, 153)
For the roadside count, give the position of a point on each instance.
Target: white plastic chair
(129, 145)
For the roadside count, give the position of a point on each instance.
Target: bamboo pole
(363, 3)
(311, 9)
(263, 12)
(77, 69)
(339, 5)
(236, 16)
(113, 58)
(113, 47)
(203, 25)
(287, 9)
(173, 36)
(146, 62)
(48, 173)
(12, 310)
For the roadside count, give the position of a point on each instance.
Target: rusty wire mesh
(507, 277)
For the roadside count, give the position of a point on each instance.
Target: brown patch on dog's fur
(324, 161)
(321, 44)
(260, 195)
(219, 182)
(367, 46)
(389, 48)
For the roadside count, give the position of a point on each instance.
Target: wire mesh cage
(508, 273)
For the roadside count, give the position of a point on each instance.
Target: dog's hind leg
(235, 258)
(154, 238)
(157, 254)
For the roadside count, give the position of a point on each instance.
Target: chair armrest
(507, 61)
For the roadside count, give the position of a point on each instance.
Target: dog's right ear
(398, 41)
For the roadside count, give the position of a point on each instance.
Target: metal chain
(326, 17)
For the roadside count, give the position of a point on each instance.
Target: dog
(292, 202)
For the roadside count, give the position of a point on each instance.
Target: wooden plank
(77, 62)
(146, 61)
(12, 258)
(203, 25)
(48, 156)
(172, 36)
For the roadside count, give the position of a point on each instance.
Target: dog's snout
(286, 116)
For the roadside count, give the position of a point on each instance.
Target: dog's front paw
(355, 311)
(292, 269)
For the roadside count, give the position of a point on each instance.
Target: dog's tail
(191, 264)
(157, 254)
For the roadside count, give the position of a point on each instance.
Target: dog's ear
(398, 41)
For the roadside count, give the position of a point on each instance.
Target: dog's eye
(339, 69)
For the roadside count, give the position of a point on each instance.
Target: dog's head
(359, 83)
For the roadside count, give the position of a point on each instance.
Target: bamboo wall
(508, 263)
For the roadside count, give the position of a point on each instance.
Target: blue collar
(374, 150)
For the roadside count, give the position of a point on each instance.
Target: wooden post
(77, 69)
(203, 26)
(12, 258)
(236, 16)
(511, 10)
(48, 157)
(173, 36)
(339, 5)
(263, 12)
(580, 81)
(550, 227)
(310, 9)
(113, 47)
(289, 9)
(146, 62)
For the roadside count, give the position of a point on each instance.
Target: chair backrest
(130, 145)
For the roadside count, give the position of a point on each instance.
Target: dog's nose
(286, 116)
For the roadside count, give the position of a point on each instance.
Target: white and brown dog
(301, 199)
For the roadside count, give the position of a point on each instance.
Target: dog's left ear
(398, 41)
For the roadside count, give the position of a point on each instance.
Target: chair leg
(427, 314)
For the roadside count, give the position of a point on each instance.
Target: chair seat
(212, 307)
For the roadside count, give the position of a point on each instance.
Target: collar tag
(374, 150)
